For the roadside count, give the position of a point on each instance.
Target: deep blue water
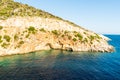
(63, 65)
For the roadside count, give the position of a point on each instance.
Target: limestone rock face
(23, 33)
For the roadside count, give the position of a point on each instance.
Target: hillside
(25, 29)
(8, 8)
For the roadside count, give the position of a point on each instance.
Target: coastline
(26, 34)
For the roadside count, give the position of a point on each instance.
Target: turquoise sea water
(63, 65)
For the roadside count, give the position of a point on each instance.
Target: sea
(63, 65)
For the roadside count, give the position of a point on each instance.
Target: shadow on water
(61, 65)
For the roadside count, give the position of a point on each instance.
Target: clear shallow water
(63, 65)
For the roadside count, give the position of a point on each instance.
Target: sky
(100, 16)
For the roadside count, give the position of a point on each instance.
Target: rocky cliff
(26, 29)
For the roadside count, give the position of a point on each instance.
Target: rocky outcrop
(26, 34)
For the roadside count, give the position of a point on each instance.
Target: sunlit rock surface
(25, 29)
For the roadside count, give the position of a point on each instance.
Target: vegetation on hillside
(19, 37)
(9, 8)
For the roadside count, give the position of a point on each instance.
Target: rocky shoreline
(18, 39)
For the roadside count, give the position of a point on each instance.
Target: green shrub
(85, 33)
(98, 40)
(74, 39)
(1, 27)
(7, 38)
(21, 42)
(92, 37)
(25, 31)
(55, 32)
(5, 45)
(97, 36)
(32, 30)
(66, 32)
(79, 36)
(1, 41)
(91, 42)
(85, 40)
(0, 37)
(74, 31)
(27, 35)
(16, 37)
(5, 31)
(69, 37)
(62, 35)
(42, 29)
